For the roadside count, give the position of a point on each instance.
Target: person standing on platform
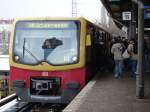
(132, 49)
(117, 50)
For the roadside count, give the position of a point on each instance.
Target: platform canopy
(121, 10)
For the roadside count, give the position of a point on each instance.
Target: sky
(48, 8)
(90, 9)
(33, 8)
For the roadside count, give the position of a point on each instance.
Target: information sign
(126, 15)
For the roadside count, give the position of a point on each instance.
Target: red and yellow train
(51, 59)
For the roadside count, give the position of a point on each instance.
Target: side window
(91, 32)
(97, 36)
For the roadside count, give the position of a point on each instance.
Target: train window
(30, 37)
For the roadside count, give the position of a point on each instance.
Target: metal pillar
(132, 24)
(140, 73)
(130, 30)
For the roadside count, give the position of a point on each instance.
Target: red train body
(56, 75)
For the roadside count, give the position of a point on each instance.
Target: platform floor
(108, 94)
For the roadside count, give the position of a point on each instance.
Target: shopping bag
(126, 54)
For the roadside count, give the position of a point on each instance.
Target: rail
(12, 104)
(7, 99)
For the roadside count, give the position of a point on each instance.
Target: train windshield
(55, 42)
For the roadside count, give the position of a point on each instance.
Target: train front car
(47, 61)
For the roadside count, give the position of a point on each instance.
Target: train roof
(61, 18)
(110, 27)
(51, 18)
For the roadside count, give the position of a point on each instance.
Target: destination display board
(22, 25)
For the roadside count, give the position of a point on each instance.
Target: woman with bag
(126, 54)
(132, 49)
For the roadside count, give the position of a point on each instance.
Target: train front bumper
(65, 97)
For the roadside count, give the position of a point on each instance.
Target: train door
(91, 51)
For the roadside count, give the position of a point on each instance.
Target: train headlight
(74, 58)
(17, 58)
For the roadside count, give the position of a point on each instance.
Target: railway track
(12, 104)
(15, 106)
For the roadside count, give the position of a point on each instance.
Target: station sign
(146, 12)
(126, 16)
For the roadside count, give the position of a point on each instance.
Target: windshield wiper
(28, 51)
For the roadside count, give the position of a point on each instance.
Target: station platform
(108, 94)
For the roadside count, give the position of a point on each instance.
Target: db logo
(44, 73)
